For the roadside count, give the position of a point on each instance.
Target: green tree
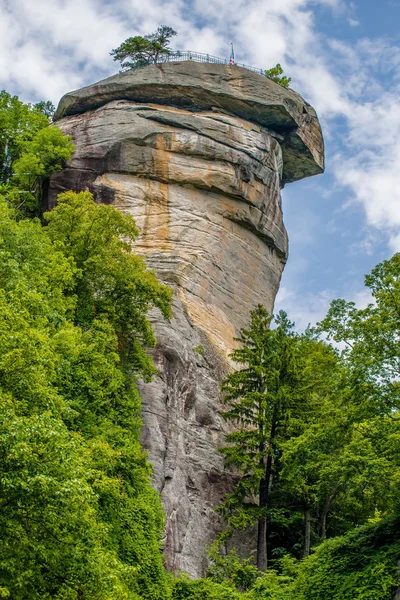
(260, 398)
(114, 292)
(79, 518)
(45, 154)
(113, 282)
(310, 440)
(371, 337)
(51, 540)
(276, 74)
(139, 51)
(30, 152)
(19, 122)
(345, 473)
(230, 568)
(362, 565)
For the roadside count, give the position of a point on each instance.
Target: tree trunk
(262, 527)
(261, 544)
(307, 533)
(264, 489)
(325, 510)
(323, 524)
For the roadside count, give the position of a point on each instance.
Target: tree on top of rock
(276, 74)
(140, 51)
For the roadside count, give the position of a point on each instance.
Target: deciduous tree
(79, 518)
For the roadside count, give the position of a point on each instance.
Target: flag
(232, 58)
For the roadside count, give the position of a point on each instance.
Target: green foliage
(112, 283)
(272, 586)
(30, 152)
(265, 399)
(257, 393)
(79, 518)
(140, 51)
(199, 349)
(371, 339)
(184, 588)
(53, 546)
(19, 123)
(307, 429)
(230, 569)
(46, 107)
(359, 566)
(362, 565)
(46, 153)
(276, 74)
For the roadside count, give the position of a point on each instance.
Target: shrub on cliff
(276, 74)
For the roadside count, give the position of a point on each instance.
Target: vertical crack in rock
(197, 154)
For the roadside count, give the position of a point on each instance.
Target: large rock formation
(198, 154)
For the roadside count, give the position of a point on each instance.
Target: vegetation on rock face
(276, 74)
(139, 51)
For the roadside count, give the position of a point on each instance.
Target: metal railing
(179, 55)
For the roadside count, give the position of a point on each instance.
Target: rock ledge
(204, 86)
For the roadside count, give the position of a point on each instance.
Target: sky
(343, 57)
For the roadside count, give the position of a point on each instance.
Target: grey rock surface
(201, 86)
(204, 187)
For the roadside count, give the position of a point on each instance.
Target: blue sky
(343, 57)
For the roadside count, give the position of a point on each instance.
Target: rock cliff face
(198, 154)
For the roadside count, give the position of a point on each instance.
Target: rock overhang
(207, 86)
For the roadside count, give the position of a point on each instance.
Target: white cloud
(70, 41)
(371, 173)
(309, 308)
(49, 47)
(303, 308)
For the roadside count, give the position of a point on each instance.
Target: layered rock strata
(198, 154)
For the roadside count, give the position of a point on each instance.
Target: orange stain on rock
(156, 226)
